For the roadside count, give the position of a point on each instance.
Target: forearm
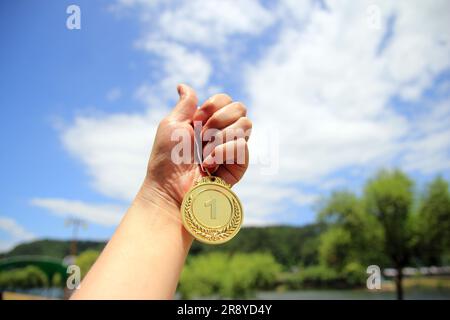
(145, 256)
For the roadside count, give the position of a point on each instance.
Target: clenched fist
(225, 153)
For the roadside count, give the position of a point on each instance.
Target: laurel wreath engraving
(213, 234)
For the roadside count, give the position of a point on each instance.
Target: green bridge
(50, 266)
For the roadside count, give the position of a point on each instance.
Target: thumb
(186, 105)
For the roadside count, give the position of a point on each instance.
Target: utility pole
(75, 223)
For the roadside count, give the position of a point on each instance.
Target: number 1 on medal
(212, 203)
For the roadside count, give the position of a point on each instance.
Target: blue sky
(45, 68)
(335, 90)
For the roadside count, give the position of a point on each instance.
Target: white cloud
(16, 233)
(179, 65)
(102, 214)
(421, 45)
(329, 92)
(177, 31)
(324, 89)
(114, 149)
(428, 147)
(209, 23)
(322, 82)
(205, 23)
(14, 229)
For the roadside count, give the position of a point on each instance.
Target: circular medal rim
(219, 184)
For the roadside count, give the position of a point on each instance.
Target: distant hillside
(289, 245)
(51, 248)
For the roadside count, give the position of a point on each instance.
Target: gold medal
(211, 212)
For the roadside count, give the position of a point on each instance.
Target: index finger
(213, 104)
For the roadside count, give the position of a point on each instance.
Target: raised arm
(145, 256)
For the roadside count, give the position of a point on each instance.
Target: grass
(420, 282)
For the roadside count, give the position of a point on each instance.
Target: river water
(416, 294)
(411, 294)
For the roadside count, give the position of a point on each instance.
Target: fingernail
(180, 90)
(201, 115)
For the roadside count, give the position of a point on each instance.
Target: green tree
(85, 260)
(247, 273)
(352, 232)
(434, 222)
(57, 280)
(335, 248)
(389, 198)
(228, 275)
(23, 278)
(202, 275)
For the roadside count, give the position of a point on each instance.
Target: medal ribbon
(199, 147)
